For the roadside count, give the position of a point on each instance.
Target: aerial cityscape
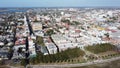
(60, 36)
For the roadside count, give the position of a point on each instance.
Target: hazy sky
(58, 3)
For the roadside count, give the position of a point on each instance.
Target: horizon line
(64, 7)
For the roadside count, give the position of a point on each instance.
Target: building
(36, 26)
(21, 44)
(62, 42)
(52, 49)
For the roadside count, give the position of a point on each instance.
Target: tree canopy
(99, 48)
(39, 40)
(61, 56)
(50, 32)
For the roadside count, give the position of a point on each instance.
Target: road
(75, 65)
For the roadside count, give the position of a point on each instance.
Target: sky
(59, 3)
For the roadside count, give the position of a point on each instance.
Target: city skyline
(60, 3)
(59, 33)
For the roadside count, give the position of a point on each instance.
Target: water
(12, 11)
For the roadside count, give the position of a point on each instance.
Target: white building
(51, 48)
(62, 42)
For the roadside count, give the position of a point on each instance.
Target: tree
(65, 21)
(19, 50)
(61, 56)
(10, 53)
(39, 40)
(75, 22)
(99, 48)
(107, 35)
(50, 32)
(23, 62)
